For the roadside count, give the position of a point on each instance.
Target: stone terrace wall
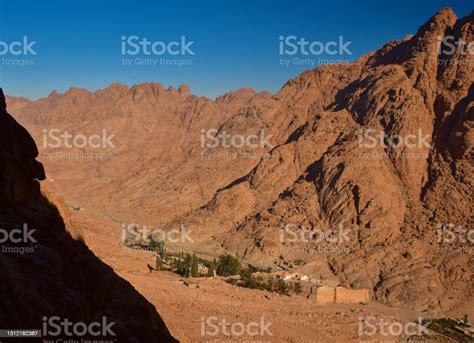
(351, 296)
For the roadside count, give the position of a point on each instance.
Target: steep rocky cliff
(46, 270)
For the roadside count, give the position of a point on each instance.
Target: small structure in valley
(341, 295)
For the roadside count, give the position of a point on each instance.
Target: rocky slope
(322, 172)
(52, 272)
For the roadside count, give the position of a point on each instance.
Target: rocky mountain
(380, 149)
(47, 271)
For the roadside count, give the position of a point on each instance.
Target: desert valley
(344, 197)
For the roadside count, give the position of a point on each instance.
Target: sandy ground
(195, 314)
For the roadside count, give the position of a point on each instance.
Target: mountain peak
(117, 87)
(184, 89)
(149, 86)
(445, 14)
(241, 93)
(438, 23)
(75, 91)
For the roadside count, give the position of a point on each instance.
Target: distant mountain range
(381, 148)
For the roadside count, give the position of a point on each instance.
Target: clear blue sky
(236, 43)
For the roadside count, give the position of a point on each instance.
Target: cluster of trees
(228, 266)
(188, 265)
(158, 246)
(278, 286)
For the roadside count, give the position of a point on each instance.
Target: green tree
(187, 265)
(228, 265)
(248, 280)
(297, 288)
(179, 268)
(158, 246)
(247, 273)
(158, 263)
(195, 266)
(212, 267)
(282, 287)
(270, 284)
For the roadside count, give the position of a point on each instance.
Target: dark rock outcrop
(49, 273)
